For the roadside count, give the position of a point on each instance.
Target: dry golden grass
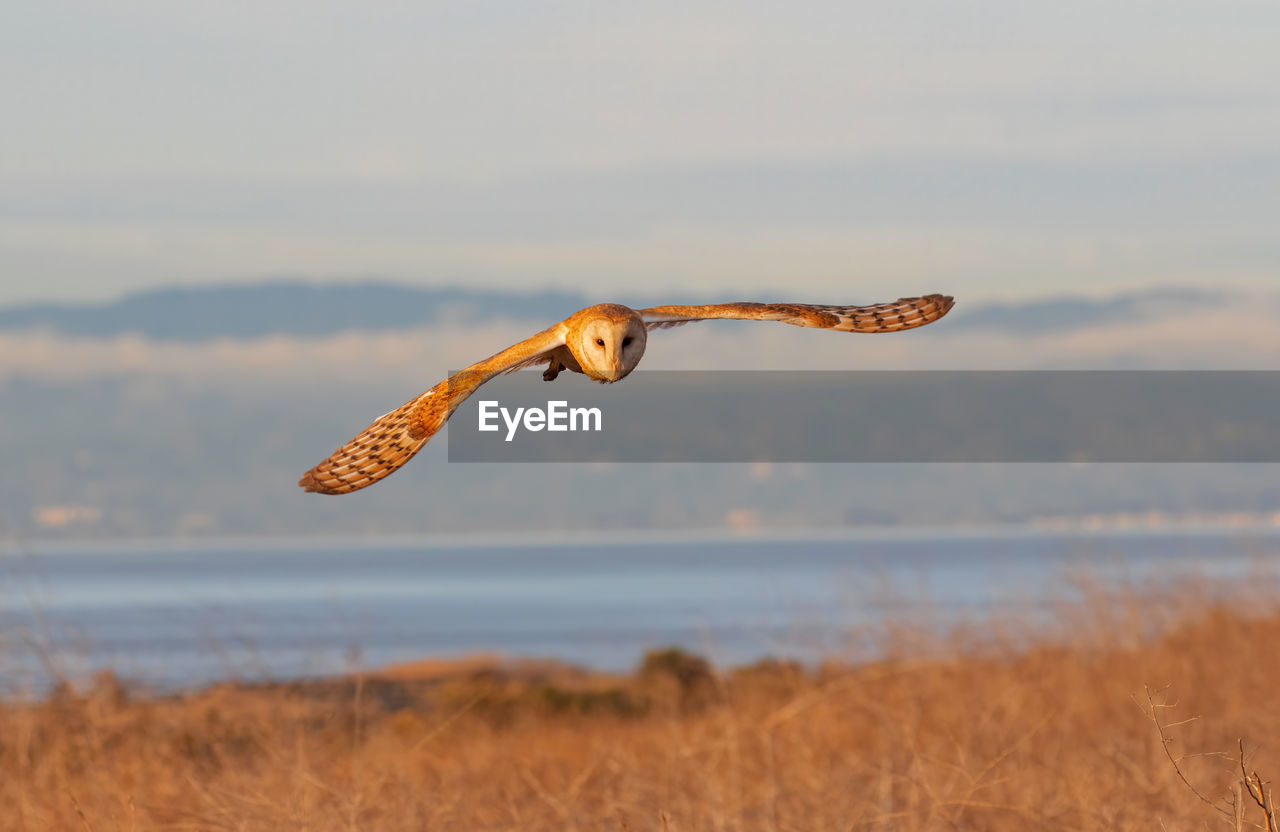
(990, 728)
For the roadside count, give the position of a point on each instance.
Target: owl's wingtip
(944, 302)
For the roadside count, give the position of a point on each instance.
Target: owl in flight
(605, 342)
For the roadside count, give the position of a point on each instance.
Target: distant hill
(299, 308)
(1063, 314)
(292, 308)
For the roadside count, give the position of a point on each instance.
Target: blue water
(177, 616)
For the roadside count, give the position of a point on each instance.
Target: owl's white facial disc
(608, 349)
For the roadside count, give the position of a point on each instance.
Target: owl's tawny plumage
(605, 342)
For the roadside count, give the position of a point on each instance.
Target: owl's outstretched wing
(395, 437)
(906, 313)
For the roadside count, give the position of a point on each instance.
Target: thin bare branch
(1164, 743)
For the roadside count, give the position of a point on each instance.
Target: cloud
(1197, 333)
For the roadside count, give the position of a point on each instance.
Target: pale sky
(834, 150)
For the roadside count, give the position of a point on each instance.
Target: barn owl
(605, 342)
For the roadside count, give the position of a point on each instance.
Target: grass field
(993, 726)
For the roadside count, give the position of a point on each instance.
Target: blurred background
(233, 234)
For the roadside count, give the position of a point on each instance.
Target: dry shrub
(1002, 726)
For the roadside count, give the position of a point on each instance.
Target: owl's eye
(599, 342)
(626, 341)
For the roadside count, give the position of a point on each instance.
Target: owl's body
(605, 342)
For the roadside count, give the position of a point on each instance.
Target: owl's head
(608, 341)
